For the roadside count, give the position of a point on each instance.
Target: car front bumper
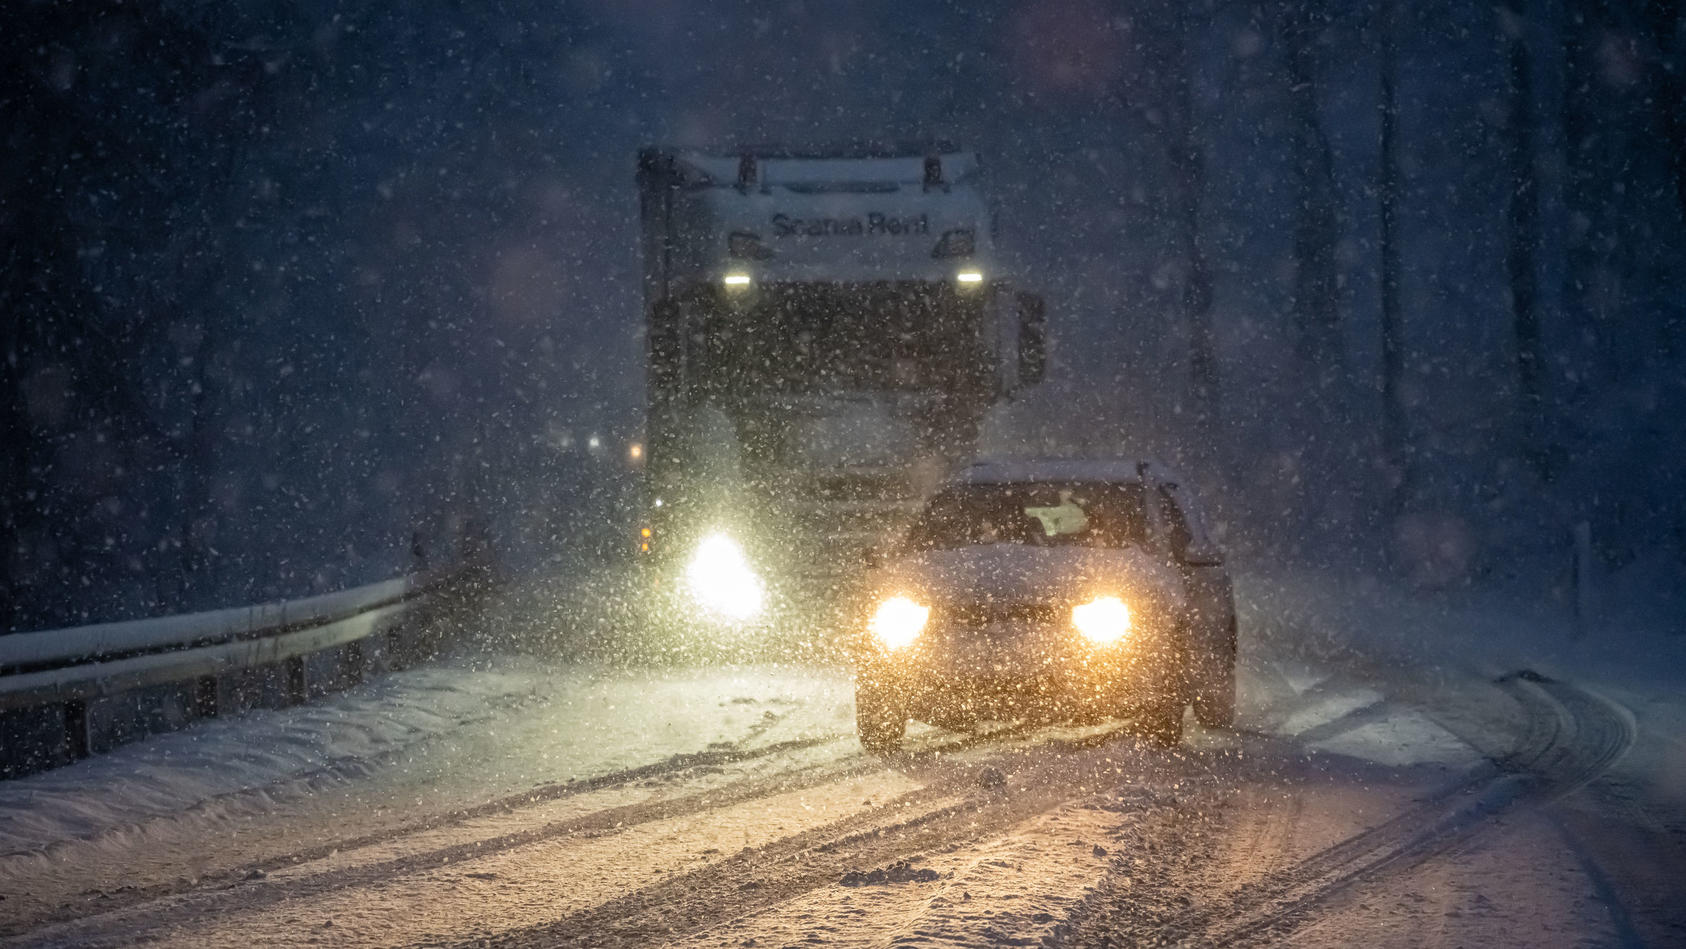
(962, 675)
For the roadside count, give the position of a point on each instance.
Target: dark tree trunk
(1666, 23)
(1316, 226)
(18, 506)
(1188, 166)
(1523, 238)
(1394, 435)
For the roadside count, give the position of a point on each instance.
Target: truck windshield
(1041, 515)
(852, 337)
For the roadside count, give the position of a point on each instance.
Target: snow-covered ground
(1381, 787)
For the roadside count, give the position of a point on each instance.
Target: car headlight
(1102, 620)
(898, 622)
(721, 580)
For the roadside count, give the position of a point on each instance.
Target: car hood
(1018, 573)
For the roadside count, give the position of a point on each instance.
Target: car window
(1042, 515)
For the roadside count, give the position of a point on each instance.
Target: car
(1049, 590)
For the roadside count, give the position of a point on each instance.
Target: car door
(1205, 579)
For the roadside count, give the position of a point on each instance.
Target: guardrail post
(76, 743)
(393, 655)
(353, 661)
(295, 685)
(205, 697)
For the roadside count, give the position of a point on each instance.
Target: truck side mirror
(1033, 339)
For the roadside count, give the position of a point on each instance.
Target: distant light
(969, 276)
(658, 502)
(644, 532)
(594, 443)
(735, 280)
(635, 451)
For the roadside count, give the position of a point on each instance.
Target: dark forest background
(292, 287)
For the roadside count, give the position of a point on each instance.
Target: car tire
(1214, 698)
(1161, 722)
(880, 720)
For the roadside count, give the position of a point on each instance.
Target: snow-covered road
(509, 801)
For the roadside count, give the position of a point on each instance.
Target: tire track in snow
(856, 843)
(1572, 736)
(251, 888)
(678, 766)
(1025, 909)
(764, 877)
(395, 853)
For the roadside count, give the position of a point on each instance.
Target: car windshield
(1040, 515)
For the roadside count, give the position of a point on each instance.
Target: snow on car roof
(1057, 469)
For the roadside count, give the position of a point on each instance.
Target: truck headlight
(898, 622)
(1102, 620)
(721, 580)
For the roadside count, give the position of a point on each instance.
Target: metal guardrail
(210, 655)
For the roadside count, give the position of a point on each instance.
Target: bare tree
(1523, 234)
(1188, 164)
(1665, 31)
(1158, 89)
(1316, 223)
(1394, 435)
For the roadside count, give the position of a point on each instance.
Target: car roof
(1018, 470)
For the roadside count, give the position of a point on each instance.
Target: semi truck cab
(838, 315)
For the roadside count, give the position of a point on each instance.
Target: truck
(825, 329)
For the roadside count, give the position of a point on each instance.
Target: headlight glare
(721, 581)
(898, 622)
(1103, 620)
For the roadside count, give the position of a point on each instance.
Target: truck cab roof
(846, 169)
(780, 216)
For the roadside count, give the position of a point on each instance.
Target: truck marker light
(735, 280)
(969, 276)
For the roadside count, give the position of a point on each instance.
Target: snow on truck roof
(774, 166)
(1013, 470)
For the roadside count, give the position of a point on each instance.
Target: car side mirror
(1202, 555)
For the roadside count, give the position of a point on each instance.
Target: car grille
(980, 616)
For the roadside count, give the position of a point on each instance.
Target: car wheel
(1214, 698)
(1161, 722)
(879, 719)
